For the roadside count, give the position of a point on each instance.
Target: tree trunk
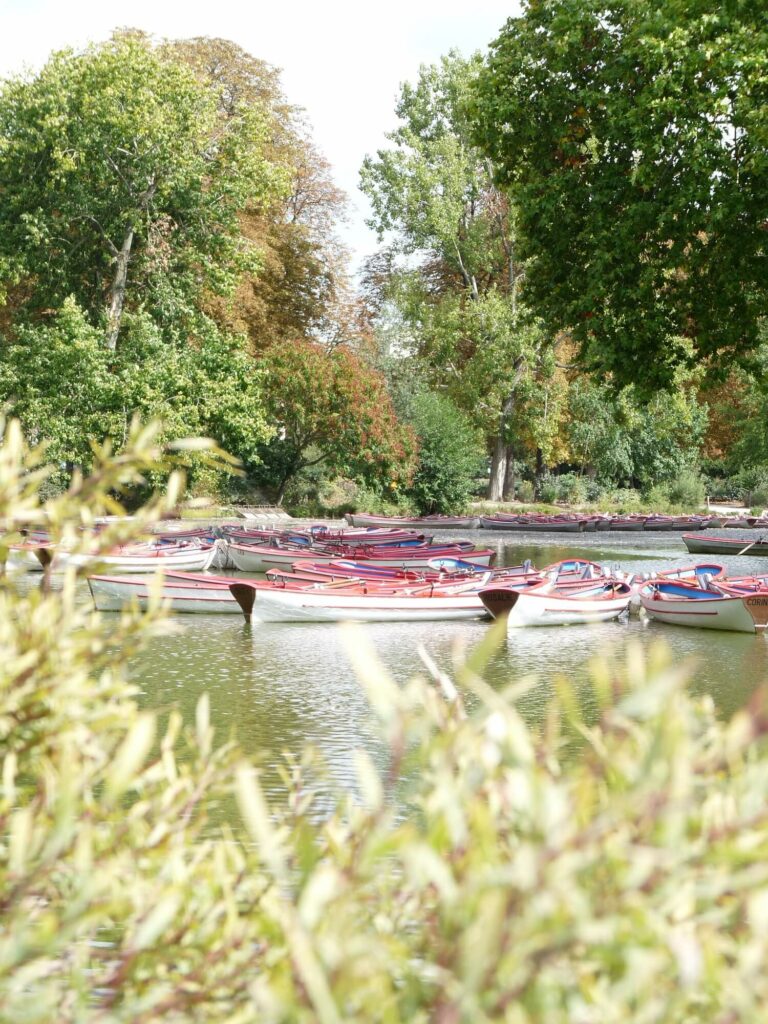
(117, 291)
(501, 450)
(539, 473)
(280, 493)
(509, 477)
(498, 470)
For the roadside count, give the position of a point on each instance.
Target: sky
(341, 60)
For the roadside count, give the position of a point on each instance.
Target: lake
(280, 686)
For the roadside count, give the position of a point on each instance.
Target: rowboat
(254, 558)
(710, 607)
(672, 524)
(627, 524)
(22, 558)
(534, 524)
(694, 573)
(202, 596)
(550, 604)
(725, 545)
(136, 559)
(355, 602)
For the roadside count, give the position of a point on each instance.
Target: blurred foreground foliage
(590, 871)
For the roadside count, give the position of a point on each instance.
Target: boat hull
(362, 520)
(277, 605)
(192, 559)
(112, 594)
(698, 545)
(747, 614)
(545, 608)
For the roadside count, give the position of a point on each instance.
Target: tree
(122, 186)
(450, 455)
(634, 136)
(302, 288)
(435, 192)
(69, 390)
(328, 407)
(626, 440)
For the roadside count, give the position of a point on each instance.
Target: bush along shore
(612, 867)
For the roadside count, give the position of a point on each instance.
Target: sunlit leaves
(120, 142)
(329, 407)
(634, 137)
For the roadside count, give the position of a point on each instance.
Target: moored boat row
(534, 523)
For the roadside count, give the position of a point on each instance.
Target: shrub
(752, 485)
(449, 454)
(657, 498)
(626, 499)
(572, 488)
(609, 868)
(549, 490)
(687, 490)
(525, 491)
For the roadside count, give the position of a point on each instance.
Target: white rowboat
(549, 605)
(324, 604)
(681, 605)
(201, 597)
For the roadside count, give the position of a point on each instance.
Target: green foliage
(607, 867)
(634, 137)
(525, 491)
(68, 389)
(573, 488)
(121, 146)
(328, 407)
(434, 193)
(450, 454)
(687, 490)
(628, 440)
(750, 485)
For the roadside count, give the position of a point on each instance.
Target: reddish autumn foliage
(331, 407)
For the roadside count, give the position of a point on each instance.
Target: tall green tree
(302, 288)
(454, 272)
(122, 184)
(635, 136)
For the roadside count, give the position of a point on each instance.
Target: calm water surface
(282, 686)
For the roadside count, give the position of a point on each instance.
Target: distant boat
(433, 522)
(673, 524)
(699, 545)
(535, 524)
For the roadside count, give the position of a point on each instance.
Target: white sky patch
(341, 60)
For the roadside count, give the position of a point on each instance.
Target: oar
(751, 545)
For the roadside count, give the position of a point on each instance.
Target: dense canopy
(635, 138)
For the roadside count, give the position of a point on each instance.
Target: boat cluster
(558, 523)
(387, 574)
